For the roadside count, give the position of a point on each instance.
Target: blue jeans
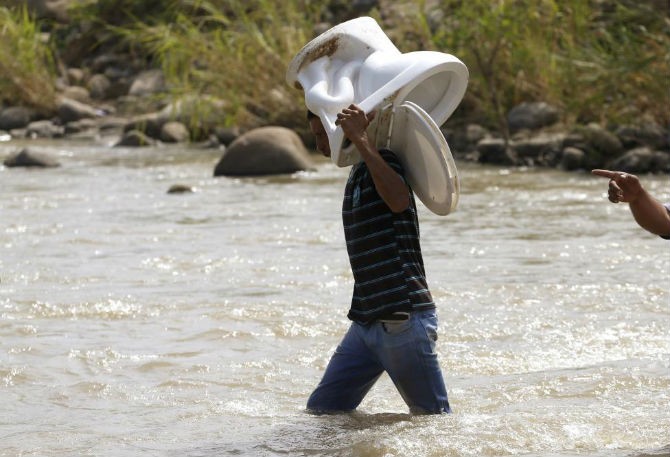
(405, 350)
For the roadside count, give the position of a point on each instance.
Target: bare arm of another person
(389, 184)
(648, 212)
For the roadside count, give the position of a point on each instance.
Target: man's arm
(389, 184)
(648, 212)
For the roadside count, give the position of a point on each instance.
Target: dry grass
(27, 74)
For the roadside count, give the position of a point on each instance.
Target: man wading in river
(394, 322)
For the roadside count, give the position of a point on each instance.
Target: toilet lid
(430, 169)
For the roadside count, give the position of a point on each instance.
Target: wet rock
(78, 93)
(83, 125)
(531, 116)
(180, 189)
(16, 117)
(75, 76)
(464, 140)
(599, 145)
(71, 110)
(174, 132)
(264, 151)
(135, 138)
(642, 160)
(151, 124)
(644, 134)
(660, 162)
(495, 151)
(30, 159)
(44, 129)
(572, 159)
(98, 86)
(537, 147)
(226, 135)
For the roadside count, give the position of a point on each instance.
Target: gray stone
(180, 189)
(31, 159)
(264, 151)
(531, 116)
(16, 117)
(226, 135)
(78, 93)
(644, 134)
(572, 158)
(174, 132)
(151, 124)
(147, 83)
(75, 76)
(71, 110)
(98, 86)
(44, 129)
(135, 138)
(538, 145)
(638, 160)
(494, 151)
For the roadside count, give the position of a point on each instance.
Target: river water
(139, 323)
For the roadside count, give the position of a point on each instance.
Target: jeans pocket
(396, 328)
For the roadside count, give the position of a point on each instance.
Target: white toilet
(414, 93)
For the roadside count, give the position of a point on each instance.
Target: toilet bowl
(355, 62)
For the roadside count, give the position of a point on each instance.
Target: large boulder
(264, 151)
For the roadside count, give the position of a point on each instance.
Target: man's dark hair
(310, 115)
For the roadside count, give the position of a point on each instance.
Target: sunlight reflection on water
(134, 322)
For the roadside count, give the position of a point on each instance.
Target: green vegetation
(598, 61)
(27, 73)
(602, 61)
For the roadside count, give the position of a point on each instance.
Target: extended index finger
(605, 173)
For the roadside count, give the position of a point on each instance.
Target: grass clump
(27, 67)
(236, 50)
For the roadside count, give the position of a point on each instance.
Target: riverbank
(145, 76)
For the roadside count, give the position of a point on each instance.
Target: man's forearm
(651, 215)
